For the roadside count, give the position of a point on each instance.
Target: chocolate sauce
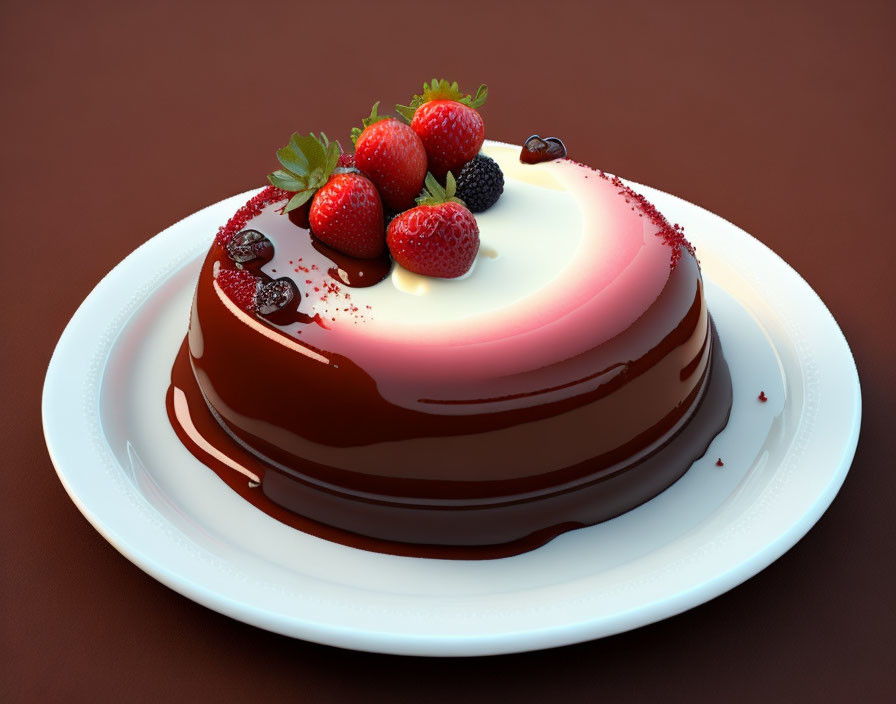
(351, 271)
(299, 216)
(470, 529)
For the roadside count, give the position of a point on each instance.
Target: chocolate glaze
(351, 271)
(483, 437)
(466, 529)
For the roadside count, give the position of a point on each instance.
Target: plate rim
(416, 643)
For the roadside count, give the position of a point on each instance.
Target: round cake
(570, 375)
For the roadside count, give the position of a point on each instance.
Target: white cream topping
(527, 240)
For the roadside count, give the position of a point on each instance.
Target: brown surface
(119, 121)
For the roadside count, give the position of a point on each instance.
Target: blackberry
(480, 183)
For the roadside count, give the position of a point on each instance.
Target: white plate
(121, 463)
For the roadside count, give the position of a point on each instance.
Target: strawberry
(345, 209)
(448, 124)
(391, 155)
(347, 214)
(439, 237)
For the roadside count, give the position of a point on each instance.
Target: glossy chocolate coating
(481, 531)
(564, 414)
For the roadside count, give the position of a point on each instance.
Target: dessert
(546, 364)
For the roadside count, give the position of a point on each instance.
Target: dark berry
(480, 183)
(537, 149)
(274, 296)
(250, 246)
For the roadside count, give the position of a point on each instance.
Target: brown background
(118, 120)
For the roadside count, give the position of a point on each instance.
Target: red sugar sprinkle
(267, 195)
(762, 397)
(240, 286)
(719, 462)
(672, 235)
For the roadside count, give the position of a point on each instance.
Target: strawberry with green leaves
(391, 155)
(347, 214)
(439, 237)
(345, 210)
(448, 123)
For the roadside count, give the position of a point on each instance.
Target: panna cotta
(570, 375)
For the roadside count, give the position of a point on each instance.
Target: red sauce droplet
(762, 397)
(719, 462)
(536, 150)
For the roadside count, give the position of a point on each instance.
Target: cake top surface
(527, 239)
(559, 235)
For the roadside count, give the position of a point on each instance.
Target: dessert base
(464, 529)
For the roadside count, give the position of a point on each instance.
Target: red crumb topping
(719, 462)
(240, 286)
(763, 397)
(672, 235)
(267, 195)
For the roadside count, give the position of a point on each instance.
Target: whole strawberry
(448, 124)
(439, 237)
(345, 208)
(391, 155)
(347, 214)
